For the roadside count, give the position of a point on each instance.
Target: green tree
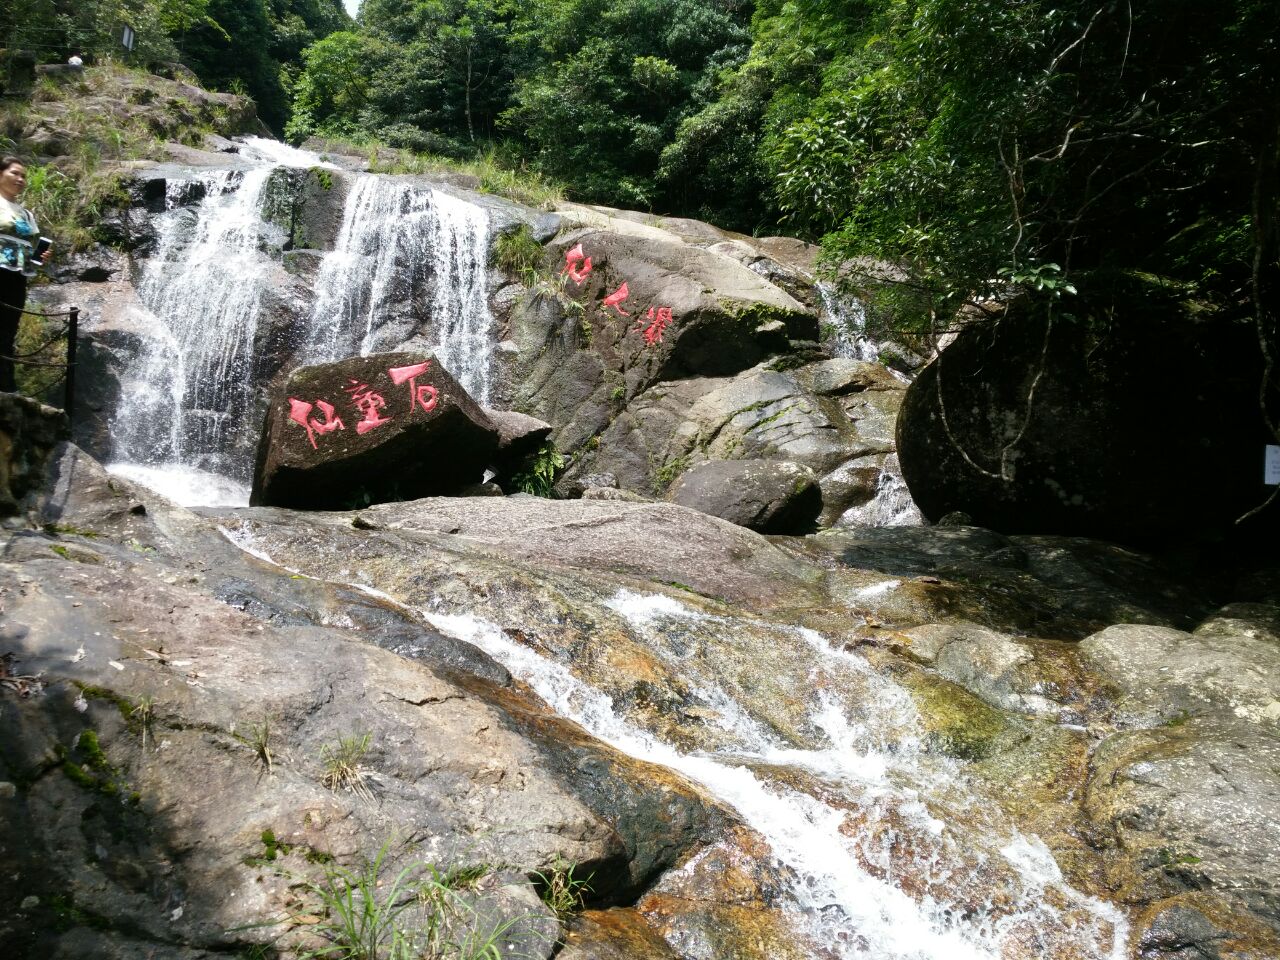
(607, 82)
(332, 93)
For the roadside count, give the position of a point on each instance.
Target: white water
(185, 486)
(277, 154)
(849, 318)
(191, 390)
(856, 817)
(403, 243)
(188, 415)
(854, 911)
(891, 506)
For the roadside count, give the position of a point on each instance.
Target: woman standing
(18, 261)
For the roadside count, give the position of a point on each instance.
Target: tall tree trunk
(471, 131)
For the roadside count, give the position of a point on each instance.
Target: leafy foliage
(540, 471)
(237, 45)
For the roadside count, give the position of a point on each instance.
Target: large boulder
(581, 359)
(834, 417)
(769, 496)
(1228, 664)
(1146, 432)
(392, 426)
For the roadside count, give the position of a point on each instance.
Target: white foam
(185, 486)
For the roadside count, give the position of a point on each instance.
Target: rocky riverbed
(889, 742)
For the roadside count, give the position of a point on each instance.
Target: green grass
(369, 913)
(488, 168)
(561, 891)
(341, 763)
(516, 251)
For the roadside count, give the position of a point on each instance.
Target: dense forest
(970, 143)
(243, 46)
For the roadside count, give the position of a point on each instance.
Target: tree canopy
(975, 145)
(240, 45)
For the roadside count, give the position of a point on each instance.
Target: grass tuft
(516, 251)
(342, 765)
(561, 891)
(415, 914)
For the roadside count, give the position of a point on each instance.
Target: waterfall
(407, 257)
(192, 388)
(404, 246)
(891, 506)
(849, 318)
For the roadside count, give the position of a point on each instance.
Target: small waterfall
(404, 246)
(407, 257)
(277, 154)
(849, 318)
(891, 506)
(202, 292)
(988, 889)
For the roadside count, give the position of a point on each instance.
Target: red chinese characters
(616, 299)
(576, 264)
(300, 413)
(577, 267)
(424, 396)
(368, 403)
(659, 319)
(371, 405)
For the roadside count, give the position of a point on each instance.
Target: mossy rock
(956, 722)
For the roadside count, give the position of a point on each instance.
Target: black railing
(70, 330)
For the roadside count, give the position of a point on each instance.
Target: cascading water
(203, 294)
(981, 893)
(849, 318)
(401, 242)
(891, 506)
(185, 422)
(882, 847)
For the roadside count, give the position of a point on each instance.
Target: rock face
(179, 796)
(29, 432)
(519, 437)
(681, 344)
(736, 373)
(389, 426)
(156, 653)
(771, 496)
(1112, 419)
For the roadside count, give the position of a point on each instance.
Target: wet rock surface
(414, 623)
(180, 718)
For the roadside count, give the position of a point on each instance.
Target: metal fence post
(73, 333)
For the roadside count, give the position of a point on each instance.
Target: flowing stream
(883, 848)
(189, 415)
(983, 890)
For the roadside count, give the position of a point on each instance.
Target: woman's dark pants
(13, 297)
